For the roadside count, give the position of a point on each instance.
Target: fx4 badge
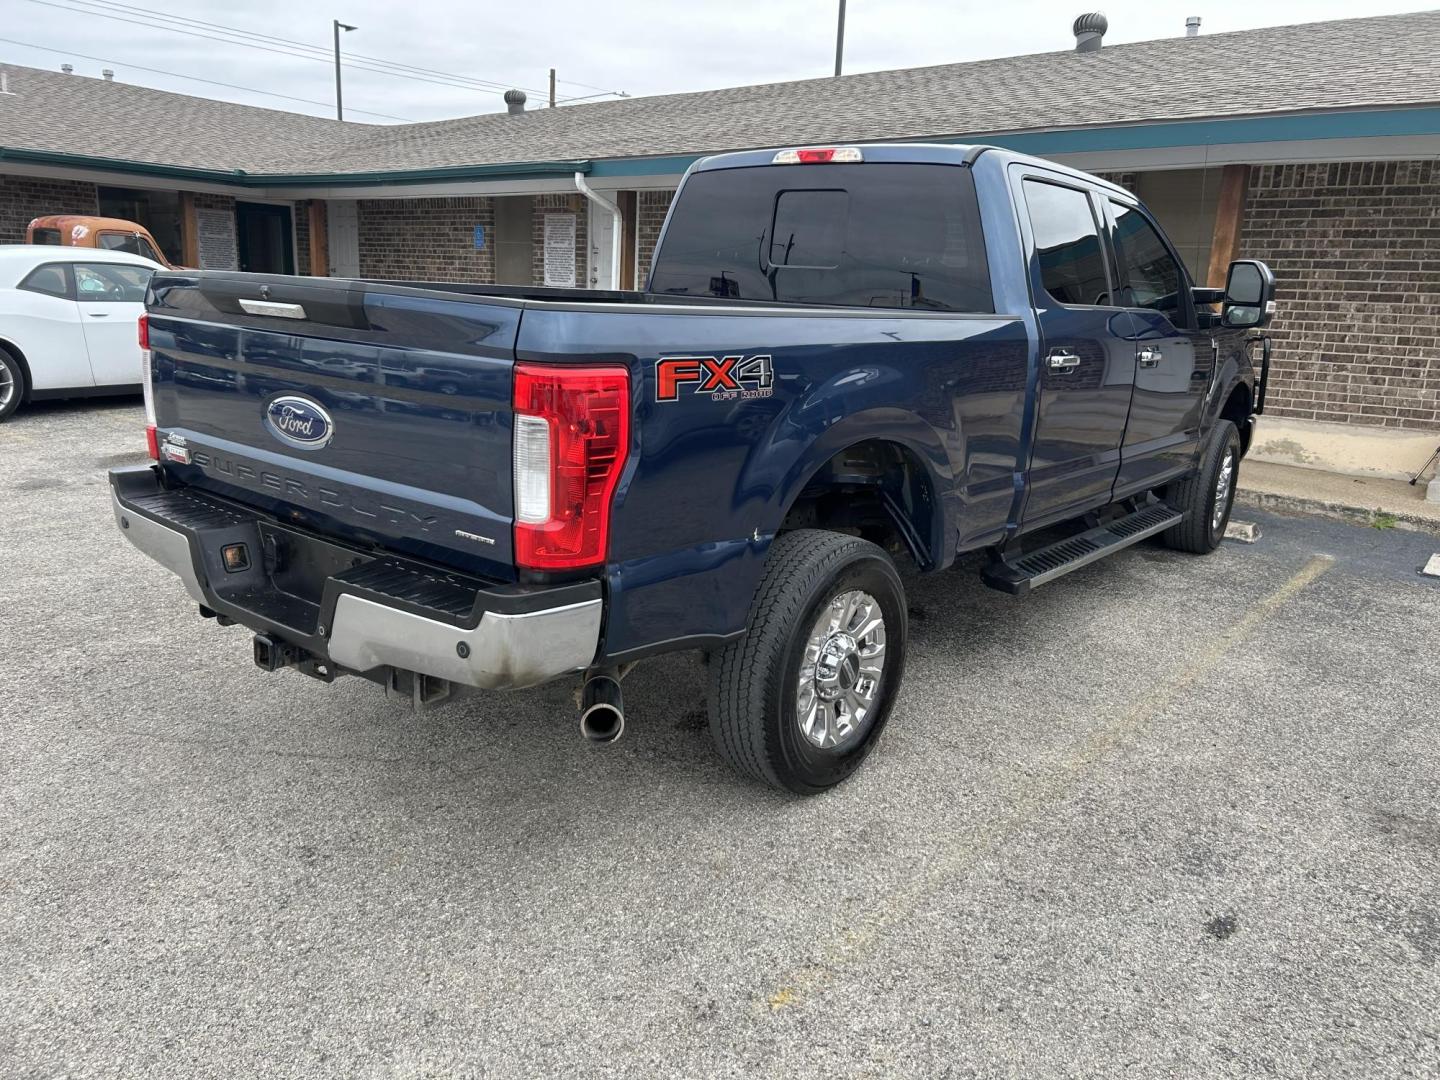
(724, 378)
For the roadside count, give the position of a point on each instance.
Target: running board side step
(1022, 573)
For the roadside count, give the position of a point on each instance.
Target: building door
(1175, 358)
(264, 237)
(601, 230)
(515, 240)
(342, 220)
(1087, 354)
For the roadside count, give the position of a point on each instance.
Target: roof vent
(68, 69)
(107, 75)
(1192, 26)
(515, 101)
(1089, 29)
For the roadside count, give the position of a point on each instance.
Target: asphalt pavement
(1168, 816)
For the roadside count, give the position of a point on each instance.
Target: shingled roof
(1385, 61)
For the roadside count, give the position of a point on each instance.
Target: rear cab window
(45, 236)
(873, 235)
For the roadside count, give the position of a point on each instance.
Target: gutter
(616, 233)
(520, 170)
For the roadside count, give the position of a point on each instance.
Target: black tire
(1203, 529)
(12, 384)
(755, 681)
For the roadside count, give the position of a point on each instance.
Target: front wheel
(1207, 496)
(800, 701)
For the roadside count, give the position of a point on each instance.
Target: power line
(289, 42)
(199, 28)
(192, 78)
(252, 45)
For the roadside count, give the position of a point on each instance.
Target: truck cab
(847, 360)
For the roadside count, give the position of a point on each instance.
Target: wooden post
(626, 200)
(189, 232)
(1229, 218)
(319, 240)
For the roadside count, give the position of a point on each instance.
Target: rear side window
(45, 236)
(50, 280)
(868, 235)
(1149, 274)
(1067, 243)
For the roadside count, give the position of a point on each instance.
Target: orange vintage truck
(82, 230)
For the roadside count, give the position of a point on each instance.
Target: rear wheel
(12, 384)
(1208, 496)
(800, 701)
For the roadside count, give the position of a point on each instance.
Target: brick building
(1313, 147)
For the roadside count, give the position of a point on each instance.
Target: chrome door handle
(1149, 357)
(1063, 361)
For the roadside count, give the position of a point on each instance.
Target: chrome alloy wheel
(1223, 484)
(7, 386)
(840, 671)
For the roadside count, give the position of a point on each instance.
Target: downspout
(617, 234)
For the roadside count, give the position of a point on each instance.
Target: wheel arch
(881, 479)
(18, 356)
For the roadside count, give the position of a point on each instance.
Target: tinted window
(45, 236)
(1067, 243)
(867, 235)
(114, 283)
(147, 249)
(1149, 275)
(50, 280)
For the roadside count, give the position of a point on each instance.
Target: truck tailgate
(410, 445)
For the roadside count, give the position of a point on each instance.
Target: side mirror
(1249, 295)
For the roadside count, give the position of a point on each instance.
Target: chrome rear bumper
(509, 638)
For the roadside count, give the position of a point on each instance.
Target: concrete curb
(1358, 515)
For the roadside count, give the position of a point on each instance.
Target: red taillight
(815, 157)
(572, 435)
(147, 384)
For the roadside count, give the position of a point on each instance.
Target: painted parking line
(1432, 568)
(835, 955)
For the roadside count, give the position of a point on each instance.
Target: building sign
(479, 237)
(216, 229)
(560, 250)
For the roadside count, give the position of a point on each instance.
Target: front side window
(880, 235)
(146, 249)
(1149, 275)
(1067, 244)
(114, 283)
(51, 280)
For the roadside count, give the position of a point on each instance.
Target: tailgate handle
(273, 309)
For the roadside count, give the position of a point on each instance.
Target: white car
(68, 322)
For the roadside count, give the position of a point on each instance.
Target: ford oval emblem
(299, 422)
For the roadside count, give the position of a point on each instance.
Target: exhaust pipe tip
(602, 710)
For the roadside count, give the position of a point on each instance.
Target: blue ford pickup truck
(845, 357)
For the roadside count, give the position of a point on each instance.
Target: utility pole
(552, 88)
(840, 39)
(339, 104)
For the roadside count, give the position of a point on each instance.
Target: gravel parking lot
(1170, 816)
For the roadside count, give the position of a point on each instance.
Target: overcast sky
(638, 46)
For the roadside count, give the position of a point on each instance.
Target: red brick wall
(651, 208)
(426, 239)
(1356, 251)
(24, 198)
